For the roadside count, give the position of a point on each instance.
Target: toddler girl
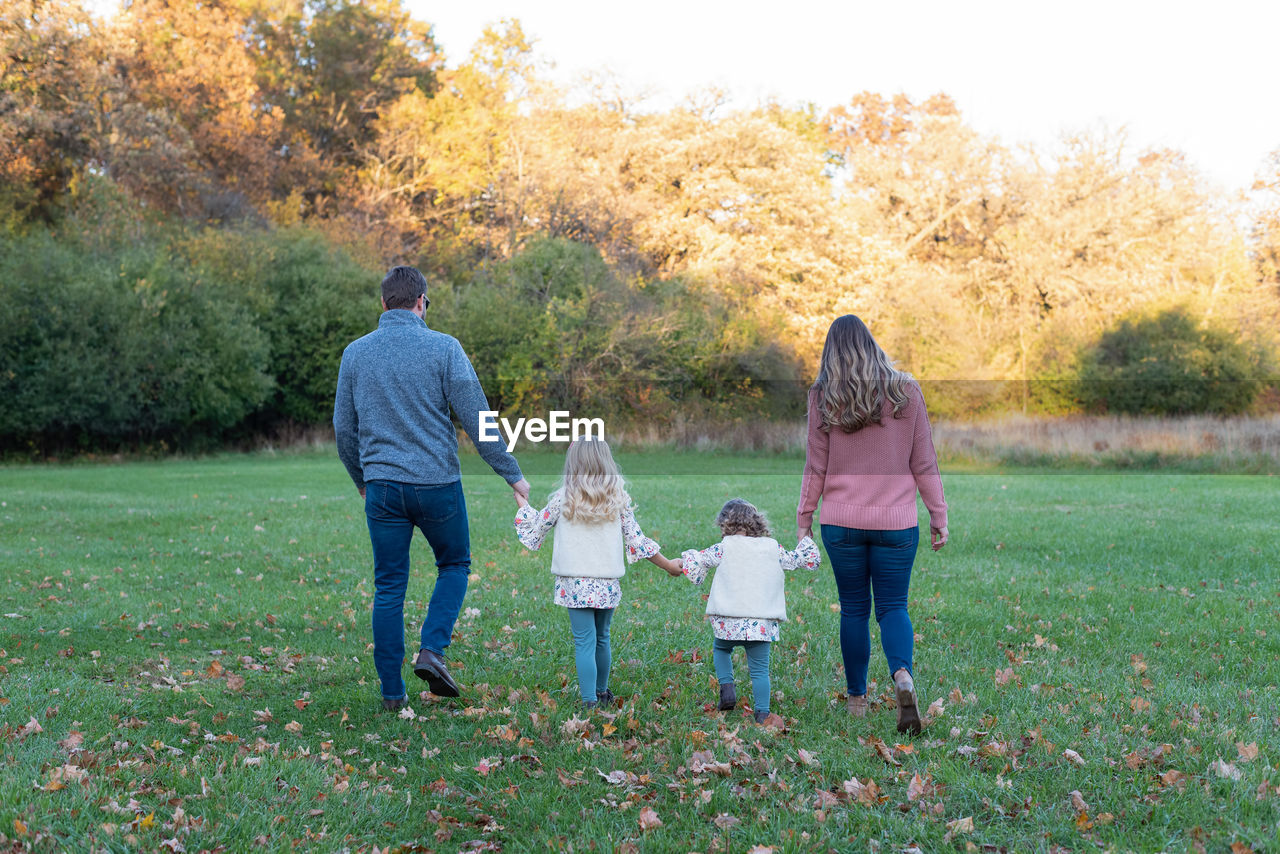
(595, 525)
(747, 600)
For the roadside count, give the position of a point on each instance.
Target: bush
(309, 300)
(106, 348)
(1168, 364)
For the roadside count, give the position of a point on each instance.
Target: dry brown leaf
(75, 738)
(883, 751)
(1077, 801)
(566, 780)
(263, 716)
(867, 793)
(235, 682)
(1248, 752)
(294, 726)
(960, 825)
(31, 727)
(649, 819)
(576, 726)
(806, 757)
(1240, 848)
(1173, 777)
(1003, 676)
(1073, 756)
(724, 821)
(1225, 769)
(1139, 704)
(915, 788)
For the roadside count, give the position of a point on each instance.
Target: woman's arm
(696, 564)
(815, 467)
(924, 468)
(532, 526)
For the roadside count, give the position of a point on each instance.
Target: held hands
(674, 568)
(938, 536)
(520, 491)
(804, 532)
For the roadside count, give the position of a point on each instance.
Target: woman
(869, 450)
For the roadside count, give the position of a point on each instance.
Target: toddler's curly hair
(741, 517)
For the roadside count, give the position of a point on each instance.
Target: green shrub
(104, 348)
(1168, 364)
(308, 299)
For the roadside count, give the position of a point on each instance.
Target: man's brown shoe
(430, 667)
(904, 690)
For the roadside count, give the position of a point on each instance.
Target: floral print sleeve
(639, 547)
(696, 564)
(805, 554)
(532, 525)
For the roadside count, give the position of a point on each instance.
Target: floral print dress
(697, 564)
(532, 527)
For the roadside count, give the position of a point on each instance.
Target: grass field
(186, 666)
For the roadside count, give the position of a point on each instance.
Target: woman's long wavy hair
(855, 377)
(593, 489)
(741, 517)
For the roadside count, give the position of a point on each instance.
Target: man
(396, 386)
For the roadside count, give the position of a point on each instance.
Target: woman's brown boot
(857, 705)
(904, 688)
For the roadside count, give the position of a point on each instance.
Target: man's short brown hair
(402, 286)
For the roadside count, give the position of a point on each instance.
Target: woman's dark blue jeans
(393, 510)
(867, 562)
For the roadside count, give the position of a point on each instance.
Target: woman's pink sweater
(868, 479)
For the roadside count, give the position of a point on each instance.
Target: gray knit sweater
(391, 415)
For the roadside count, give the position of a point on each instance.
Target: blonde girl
(595, 527)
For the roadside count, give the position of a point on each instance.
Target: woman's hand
(804, 532)
(939, 537)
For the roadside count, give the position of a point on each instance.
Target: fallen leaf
(1173, 777)
(407, 713)
(566, 780)
(960, 825)
(883, 750)
(1003, 676)
(649, 819)
(806, 757)
(1077, 801)
(934, 711)
(74, 739)
(148, 822)
(1225, 769)
(263, 716)
(31, 727)
(915, 788)
(1073, 756)
(294, 726)
(724, 821)
(1247, 752)
(235, 682)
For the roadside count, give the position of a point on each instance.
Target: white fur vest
(749, 581)
(588, 549)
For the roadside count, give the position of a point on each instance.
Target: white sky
(1201, 77)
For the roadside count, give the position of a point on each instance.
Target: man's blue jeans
(867, 561)
(393, 510)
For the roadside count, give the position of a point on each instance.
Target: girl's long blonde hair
(593, 488)
(856, 376)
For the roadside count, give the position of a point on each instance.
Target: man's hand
(939, 537)
(520, 490)
(361, 491)
(804, 532)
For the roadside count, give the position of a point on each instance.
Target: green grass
(122, 585)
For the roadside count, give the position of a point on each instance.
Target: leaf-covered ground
(185, 665)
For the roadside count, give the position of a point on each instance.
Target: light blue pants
(757, 666)
(591, 652)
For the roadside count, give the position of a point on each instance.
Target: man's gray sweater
(391, 416)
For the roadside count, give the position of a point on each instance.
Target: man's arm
(466, 398)
(346, 425)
